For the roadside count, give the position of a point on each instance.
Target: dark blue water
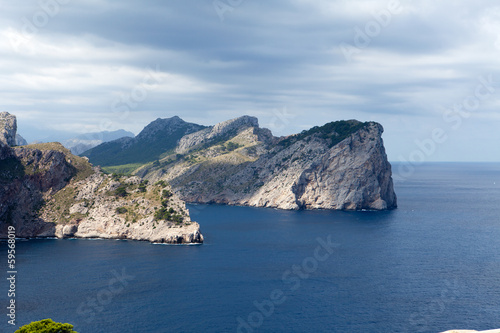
(431, 265)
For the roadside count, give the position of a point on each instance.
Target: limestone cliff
(45, 191)
(341, 165)
(106, 206)
(8, 128)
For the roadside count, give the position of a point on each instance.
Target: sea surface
(431, 265)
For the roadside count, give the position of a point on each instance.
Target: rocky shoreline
(45, 191)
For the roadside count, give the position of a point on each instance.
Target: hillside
(341, 165)
(45, 191)
(156, 139)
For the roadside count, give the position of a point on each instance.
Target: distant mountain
(158, 138)
(84, 142)
(20, 141)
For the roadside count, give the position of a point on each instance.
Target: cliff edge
(45, 191)
(341, 165)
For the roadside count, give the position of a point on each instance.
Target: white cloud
(264, 57)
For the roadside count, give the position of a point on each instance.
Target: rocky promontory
(8, 128)
(45, 191)
(341, 165)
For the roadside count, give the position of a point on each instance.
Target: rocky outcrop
(8, 128)
(27, 177)
(342, 165)
(45, 191)
(351, 175)
(220, 132)
(98, 211)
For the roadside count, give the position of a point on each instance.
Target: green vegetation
(62, 201)
(116, 176)
(125, 169)
(230, 146)
(161, 183)
(46, 326)
(83, 169)
(138, 150)
(121, 210)
(335, 132)
(10, 169)
(168, 214)
(121, 191)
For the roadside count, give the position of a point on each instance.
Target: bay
(432, 264)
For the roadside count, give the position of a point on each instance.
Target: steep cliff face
(342, 165)
(105, 206)
(28, 177)
(8, 128)
(45, 191)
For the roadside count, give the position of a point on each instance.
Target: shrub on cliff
(46, 326)
(121, 191)
(121, 210)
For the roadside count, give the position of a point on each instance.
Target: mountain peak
(155, 139)
(167, 125)
(236, 123)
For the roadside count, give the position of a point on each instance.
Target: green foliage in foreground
(46, 326)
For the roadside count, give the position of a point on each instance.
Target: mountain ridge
(154, 140)
(340, 165)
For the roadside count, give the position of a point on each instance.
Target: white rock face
(310, 173)
(352, 175)
(95, 214)
(224, 128)
(8, 128)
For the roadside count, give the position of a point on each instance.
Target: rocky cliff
(8, 128)
(341, 165)
(45, 191)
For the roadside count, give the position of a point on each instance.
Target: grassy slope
(82, 166)
(335, 132)
(139, 152)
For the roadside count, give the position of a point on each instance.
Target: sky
(428, 70)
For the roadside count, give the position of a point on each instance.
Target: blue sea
(431, 265)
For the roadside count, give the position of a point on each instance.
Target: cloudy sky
(427, 70)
